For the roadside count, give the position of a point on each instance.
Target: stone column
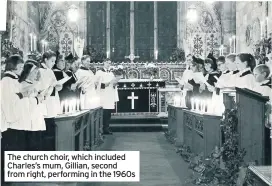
(108, 48)
(228, 22)
(181, 23)
(155, 30)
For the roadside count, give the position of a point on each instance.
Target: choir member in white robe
(108, 93)
(32, 120)
(49, 86)
(261, 74)
(89, 97)
(245, 64)
(224, 71)
(183, 81)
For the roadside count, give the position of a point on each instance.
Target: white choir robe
(224, 80)
(187, 75)
(11, 105)
(90, 99)
(51, 105)
(245, 79)
(33, 119)
(264, 88)
(109, 95)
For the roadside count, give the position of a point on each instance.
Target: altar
(138, 96)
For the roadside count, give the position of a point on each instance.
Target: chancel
(178, 81)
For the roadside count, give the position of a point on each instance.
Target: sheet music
(62, 81)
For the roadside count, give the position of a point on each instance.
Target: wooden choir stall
(200, 129)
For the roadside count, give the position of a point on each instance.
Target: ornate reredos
(204, 36)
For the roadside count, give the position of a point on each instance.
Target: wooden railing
(80, 131)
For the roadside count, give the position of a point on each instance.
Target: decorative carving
(58, 19)
(198, 45)
(133, 74)
(248, 35)
(66, 44)
(199, 125)
(206, 19)
(165, 74)
(153, 97)
(188, 120)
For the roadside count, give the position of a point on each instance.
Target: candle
(197, 105)
(30, 42)
(66, 106)
(267, 31)
(11, 26)
(230, 40)
(78, 103)
(62, 106)
(108, 54)
(156, 54)
(261, 29)
(192, 104)
(234, 44)
(34, 42)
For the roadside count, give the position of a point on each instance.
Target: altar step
(137, 123)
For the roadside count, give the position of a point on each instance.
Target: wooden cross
(132, 57)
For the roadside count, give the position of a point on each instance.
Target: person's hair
(48, 55)
(85, 57)
(248, 58)
(199, 63)
(12, 62)
(231, 57)
(263, 68)
(212, 62)
(29, 65)
(189, 55)
(221, 59)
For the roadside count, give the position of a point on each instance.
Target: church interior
(186, 83)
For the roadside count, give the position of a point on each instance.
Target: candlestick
(230, 40)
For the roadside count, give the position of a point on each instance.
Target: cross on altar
(132, 57)
(132, 97)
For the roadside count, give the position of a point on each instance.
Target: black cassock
(69, 93)
(65, 93)
(212, 79)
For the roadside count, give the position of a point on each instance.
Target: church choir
(204, 78)
(32, 92)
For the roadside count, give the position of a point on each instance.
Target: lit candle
(230, 40)
(261, 29)
(192, 103)
(62, 106)
(66, 106)
(34, 42)
(78, 103)
(267, 26)
(197, 104)
(108, 54)
(156, 54)
(30, 42)
(234, 44)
